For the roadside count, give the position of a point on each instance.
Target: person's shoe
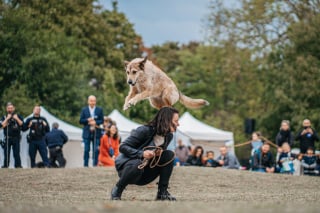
(116, 193)
(165, 195)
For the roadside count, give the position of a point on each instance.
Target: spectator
(285, 134)
(227, 160)
(107, 122)
(263, 160)
(210, 161)
(307, 136)
(55, 139)
(309, 162)
(12, 124)
(109, 146)
(195, 159)
(256, 142)
(38, 126)
(91, 118)
(182, 153)
(286, 159)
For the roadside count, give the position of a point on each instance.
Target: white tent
(125, 126)
(203, 133)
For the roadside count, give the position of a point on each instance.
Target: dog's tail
(192, 103)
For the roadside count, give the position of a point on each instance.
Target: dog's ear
(142, 63)
(126, 64)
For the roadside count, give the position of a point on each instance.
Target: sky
(158, 21)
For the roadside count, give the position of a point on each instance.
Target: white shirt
(158, 140)
(92, 111)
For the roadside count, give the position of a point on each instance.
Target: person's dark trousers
(130, 174)
(56, 154)
(40, 146)
(13, 142)
(87, 146)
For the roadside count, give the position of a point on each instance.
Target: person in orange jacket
(109, 146)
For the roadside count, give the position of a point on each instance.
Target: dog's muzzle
(130, 82)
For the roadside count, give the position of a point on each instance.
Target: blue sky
(158, 21)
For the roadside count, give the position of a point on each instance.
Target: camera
(306, 127)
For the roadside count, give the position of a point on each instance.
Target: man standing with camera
(12, 124)
(91, 118)
(38, 126)
(307, 136)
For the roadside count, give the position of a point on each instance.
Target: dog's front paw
(126, 106)
(132, 102)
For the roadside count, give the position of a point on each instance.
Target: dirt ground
(196, 189)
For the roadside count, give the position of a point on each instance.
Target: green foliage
(50, 51)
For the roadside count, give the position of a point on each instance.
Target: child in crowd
(309, 162)
(210, 161)
(285, 160)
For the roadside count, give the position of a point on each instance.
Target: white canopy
(200, 131)
(125, 126)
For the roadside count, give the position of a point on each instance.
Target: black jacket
(284, 136)
(56, 138)
(307, 140)
(37, 130)
(132, 147)
(262, 161)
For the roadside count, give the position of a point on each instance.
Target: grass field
(196, 189)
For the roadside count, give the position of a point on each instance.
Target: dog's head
(134, 69)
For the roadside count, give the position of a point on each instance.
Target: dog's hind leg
(157, 102)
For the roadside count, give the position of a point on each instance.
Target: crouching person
(139, 164)
(55, 140)
(263, 160)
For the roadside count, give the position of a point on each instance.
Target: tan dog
(148, 81)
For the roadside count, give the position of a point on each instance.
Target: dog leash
(154, 161)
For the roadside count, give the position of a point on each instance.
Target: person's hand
(92, 122)
(30, 124)
(310, 130)
(44, 123)
(15, 117)
(9, 116)
(148, 154)
(279, 150)
(221, 162)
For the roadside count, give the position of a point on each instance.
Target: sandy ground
(197, 190)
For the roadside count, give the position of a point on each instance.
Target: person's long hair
(195, 150)
(163, 120)
(108, 132)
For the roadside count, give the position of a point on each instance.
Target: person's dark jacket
(307, 140)
(193, 161)
(132, 147)
(37, 130)
(56, 138)
(284, 136)
(262, 160)
(13, 129)
(98, 117)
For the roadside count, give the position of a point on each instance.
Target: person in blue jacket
(55, 139)
(91, 118)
